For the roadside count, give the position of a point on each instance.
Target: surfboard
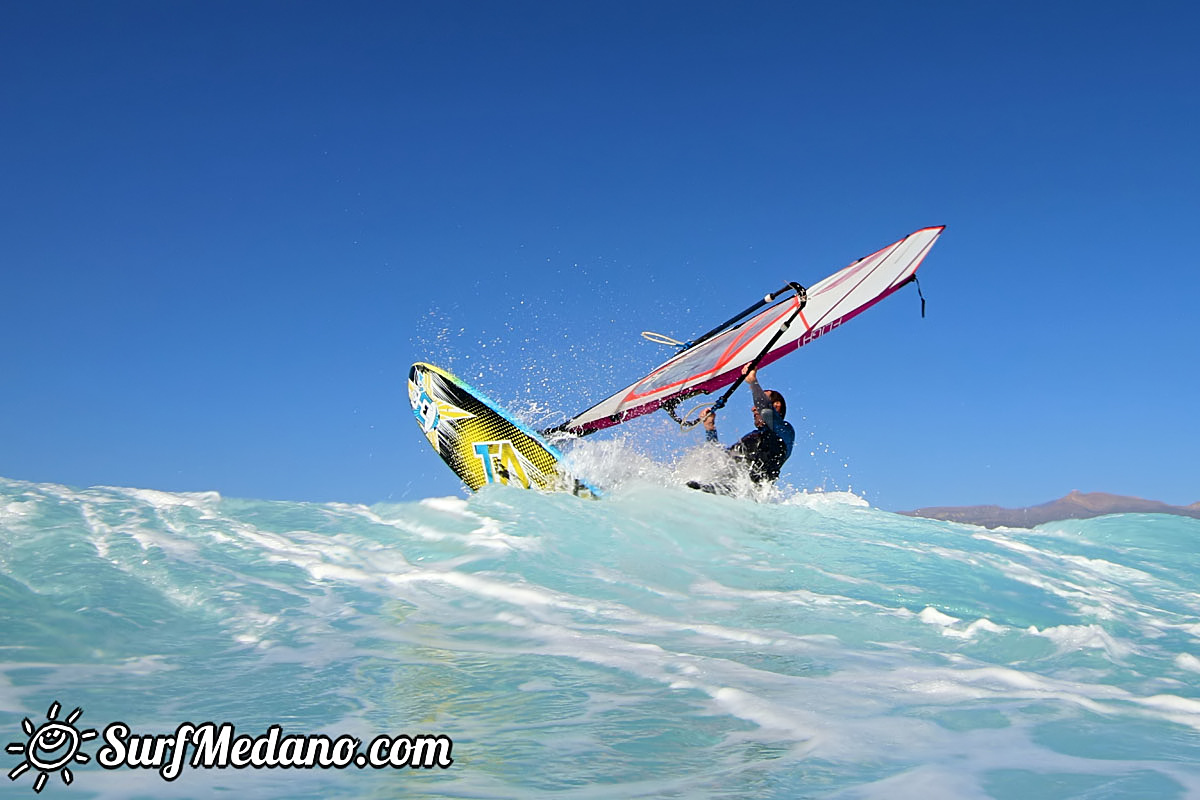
(479, 441)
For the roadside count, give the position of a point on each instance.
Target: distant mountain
(1076, 505)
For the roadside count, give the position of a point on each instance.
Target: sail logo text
(814, 333)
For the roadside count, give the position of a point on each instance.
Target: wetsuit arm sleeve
(711, 436)
(765, 409)
(760, 397)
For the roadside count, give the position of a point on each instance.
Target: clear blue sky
(227, 229)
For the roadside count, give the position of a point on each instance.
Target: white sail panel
(710, 358)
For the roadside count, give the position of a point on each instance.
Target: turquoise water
(659, 643)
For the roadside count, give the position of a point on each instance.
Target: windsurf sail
(716, 359)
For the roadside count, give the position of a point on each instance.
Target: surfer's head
(777, 402)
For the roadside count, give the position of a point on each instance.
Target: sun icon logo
(51, 746)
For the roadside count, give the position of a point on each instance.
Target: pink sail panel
(712, 358)
(717, 362)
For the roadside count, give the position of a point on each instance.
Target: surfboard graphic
(480, 442)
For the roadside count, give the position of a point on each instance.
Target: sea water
(657, 643)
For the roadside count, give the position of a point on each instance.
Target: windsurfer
(764, 450)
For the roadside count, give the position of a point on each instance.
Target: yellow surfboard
(480, 442)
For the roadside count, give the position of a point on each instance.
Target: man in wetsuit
(764, 450)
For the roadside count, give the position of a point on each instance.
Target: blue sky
(229, 227)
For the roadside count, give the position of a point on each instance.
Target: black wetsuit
(764, 449)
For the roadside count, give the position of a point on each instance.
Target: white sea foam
(825, 500)
(1187, 661)
(931, 616)
(1081, 637)
(449, 505)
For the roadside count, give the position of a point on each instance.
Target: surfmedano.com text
(216, 746)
